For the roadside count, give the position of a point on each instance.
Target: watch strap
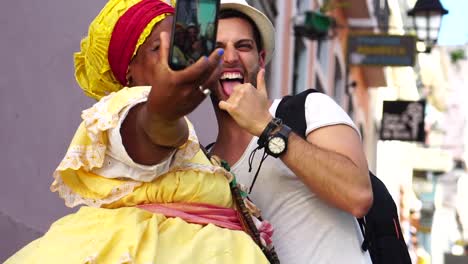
(270, 127)
(284, 131)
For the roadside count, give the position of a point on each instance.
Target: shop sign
(403, 120)
(381, 50)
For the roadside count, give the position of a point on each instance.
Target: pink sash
(198, 213)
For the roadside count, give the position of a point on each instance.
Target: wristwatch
(277, 143)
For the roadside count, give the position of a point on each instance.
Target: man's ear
(261, 58)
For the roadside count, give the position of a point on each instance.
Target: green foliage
(457, 55)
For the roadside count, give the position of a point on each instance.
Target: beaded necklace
(245, 215)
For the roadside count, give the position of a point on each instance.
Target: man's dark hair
(231, 13)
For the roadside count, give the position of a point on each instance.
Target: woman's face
(142, 66)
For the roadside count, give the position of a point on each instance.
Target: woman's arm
(149, 143)
(154, 129)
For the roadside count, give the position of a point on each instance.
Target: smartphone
(193, 31)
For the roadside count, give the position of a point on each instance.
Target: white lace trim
(124, 259)
(96, 120)
(83, 156)
(90, 259)
(73, 199)
(202, 168)
(190, 149)
(99, 118)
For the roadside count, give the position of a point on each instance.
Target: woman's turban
(113, 39)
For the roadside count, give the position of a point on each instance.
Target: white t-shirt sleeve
(321, 110)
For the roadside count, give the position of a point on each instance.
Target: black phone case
(177, 20)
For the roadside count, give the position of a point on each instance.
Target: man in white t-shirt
(310, 190)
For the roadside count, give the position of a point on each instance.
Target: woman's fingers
(164, 50)
(201, 70)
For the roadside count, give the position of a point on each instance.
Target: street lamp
(427, 18)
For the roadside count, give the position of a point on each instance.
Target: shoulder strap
(291, 110)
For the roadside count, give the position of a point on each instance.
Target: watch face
(276, 145)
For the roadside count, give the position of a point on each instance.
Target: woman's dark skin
(152, 130)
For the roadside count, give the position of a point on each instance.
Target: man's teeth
(231, 75)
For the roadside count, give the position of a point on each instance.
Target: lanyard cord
(251, 158)
(262, 141)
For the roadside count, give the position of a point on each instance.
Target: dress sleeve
(117, 162)
(321, 111)
(96, 169)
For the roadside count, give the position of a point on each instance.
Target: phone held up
(193, 32)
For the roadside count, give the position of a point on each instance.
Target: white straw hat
(264, 25)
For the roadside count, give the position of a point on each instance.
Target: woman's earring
(128, 77)
(129, 81)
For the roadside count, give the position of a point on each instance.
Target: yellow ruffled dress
(109, 228)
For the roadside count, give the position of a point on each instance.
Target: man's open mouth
(229, 80)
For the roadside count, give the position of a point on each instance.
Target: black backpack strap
(209, 146)
(291, 110)
(205, 150)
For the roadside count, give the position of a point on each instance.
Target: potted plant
(316, 24)
(457, 55)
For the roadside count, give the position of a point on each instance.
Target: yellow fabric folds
(89, 143)
(110, 230)
(132, 235)
(74, 178)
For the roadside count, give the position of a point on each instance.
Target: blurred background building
(415, 172)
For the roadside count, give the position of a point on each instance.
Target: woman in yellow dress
(148, 193)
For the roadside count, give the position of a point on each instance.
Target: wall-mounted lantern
(427, 18)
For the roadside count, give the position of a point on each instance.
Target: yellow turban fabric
(92, 69)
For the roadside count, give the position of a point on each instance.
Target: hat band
(127, 31)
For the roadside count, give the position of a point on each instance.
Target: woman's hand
(175, 94)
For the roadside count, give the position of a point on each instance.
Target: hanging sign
(381, 50)
(403, 120)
